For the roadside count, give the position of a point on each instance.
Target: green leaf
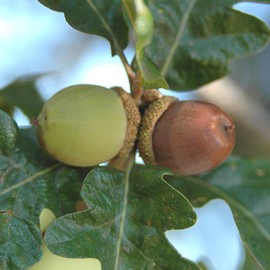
(29, 182)
(250, 262)
(245, 185)
(103, 18)
(151, 77)
(8, 133)
(140, 20)
(23, 93)
(125, 223)
(6, 106)
(19, 239)
(194, 41)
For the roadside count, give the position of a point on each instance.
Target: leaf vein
(161, 204)
(29, 179)
(178, 37)
(140, 252)
(232, 202)
(123, 214)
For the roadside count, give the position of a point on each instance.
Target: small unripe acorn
(84, 125)
(190, 137)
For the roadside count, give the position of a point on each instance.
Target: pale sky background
(34, 39)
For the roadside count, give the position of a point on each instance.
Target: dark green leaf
(8, 133)
(103, 18)
(29, 182)
(19, 239)
(140, 20)
(245, 185)
(194, 41)
(250, 262)
(23, 93)
(125, 223)
(150, 75)
(6, 106)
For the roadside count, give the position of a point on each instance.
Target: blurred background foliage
(40, 54)
(245, 94)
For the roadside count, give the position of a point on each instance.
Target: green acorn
(85, 125)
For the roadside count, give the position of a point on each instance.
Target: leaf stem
(29, 179)
(130, 73)
(124, 211)
(177, 38)
(135, 80)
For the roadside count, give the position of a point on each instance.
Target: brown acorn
(190, 137)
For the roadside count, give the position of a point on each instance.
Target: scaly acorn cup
(85, 125)
(190, 137)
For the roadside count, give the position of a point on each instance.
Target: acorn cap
(133, 118)
(147, 126)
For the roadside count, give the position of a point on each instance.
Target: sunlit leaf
(245, 185)
(23, 93)
(125, 223)
(194, 41)
(140, 20)
(103, 18)
(29, 182)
